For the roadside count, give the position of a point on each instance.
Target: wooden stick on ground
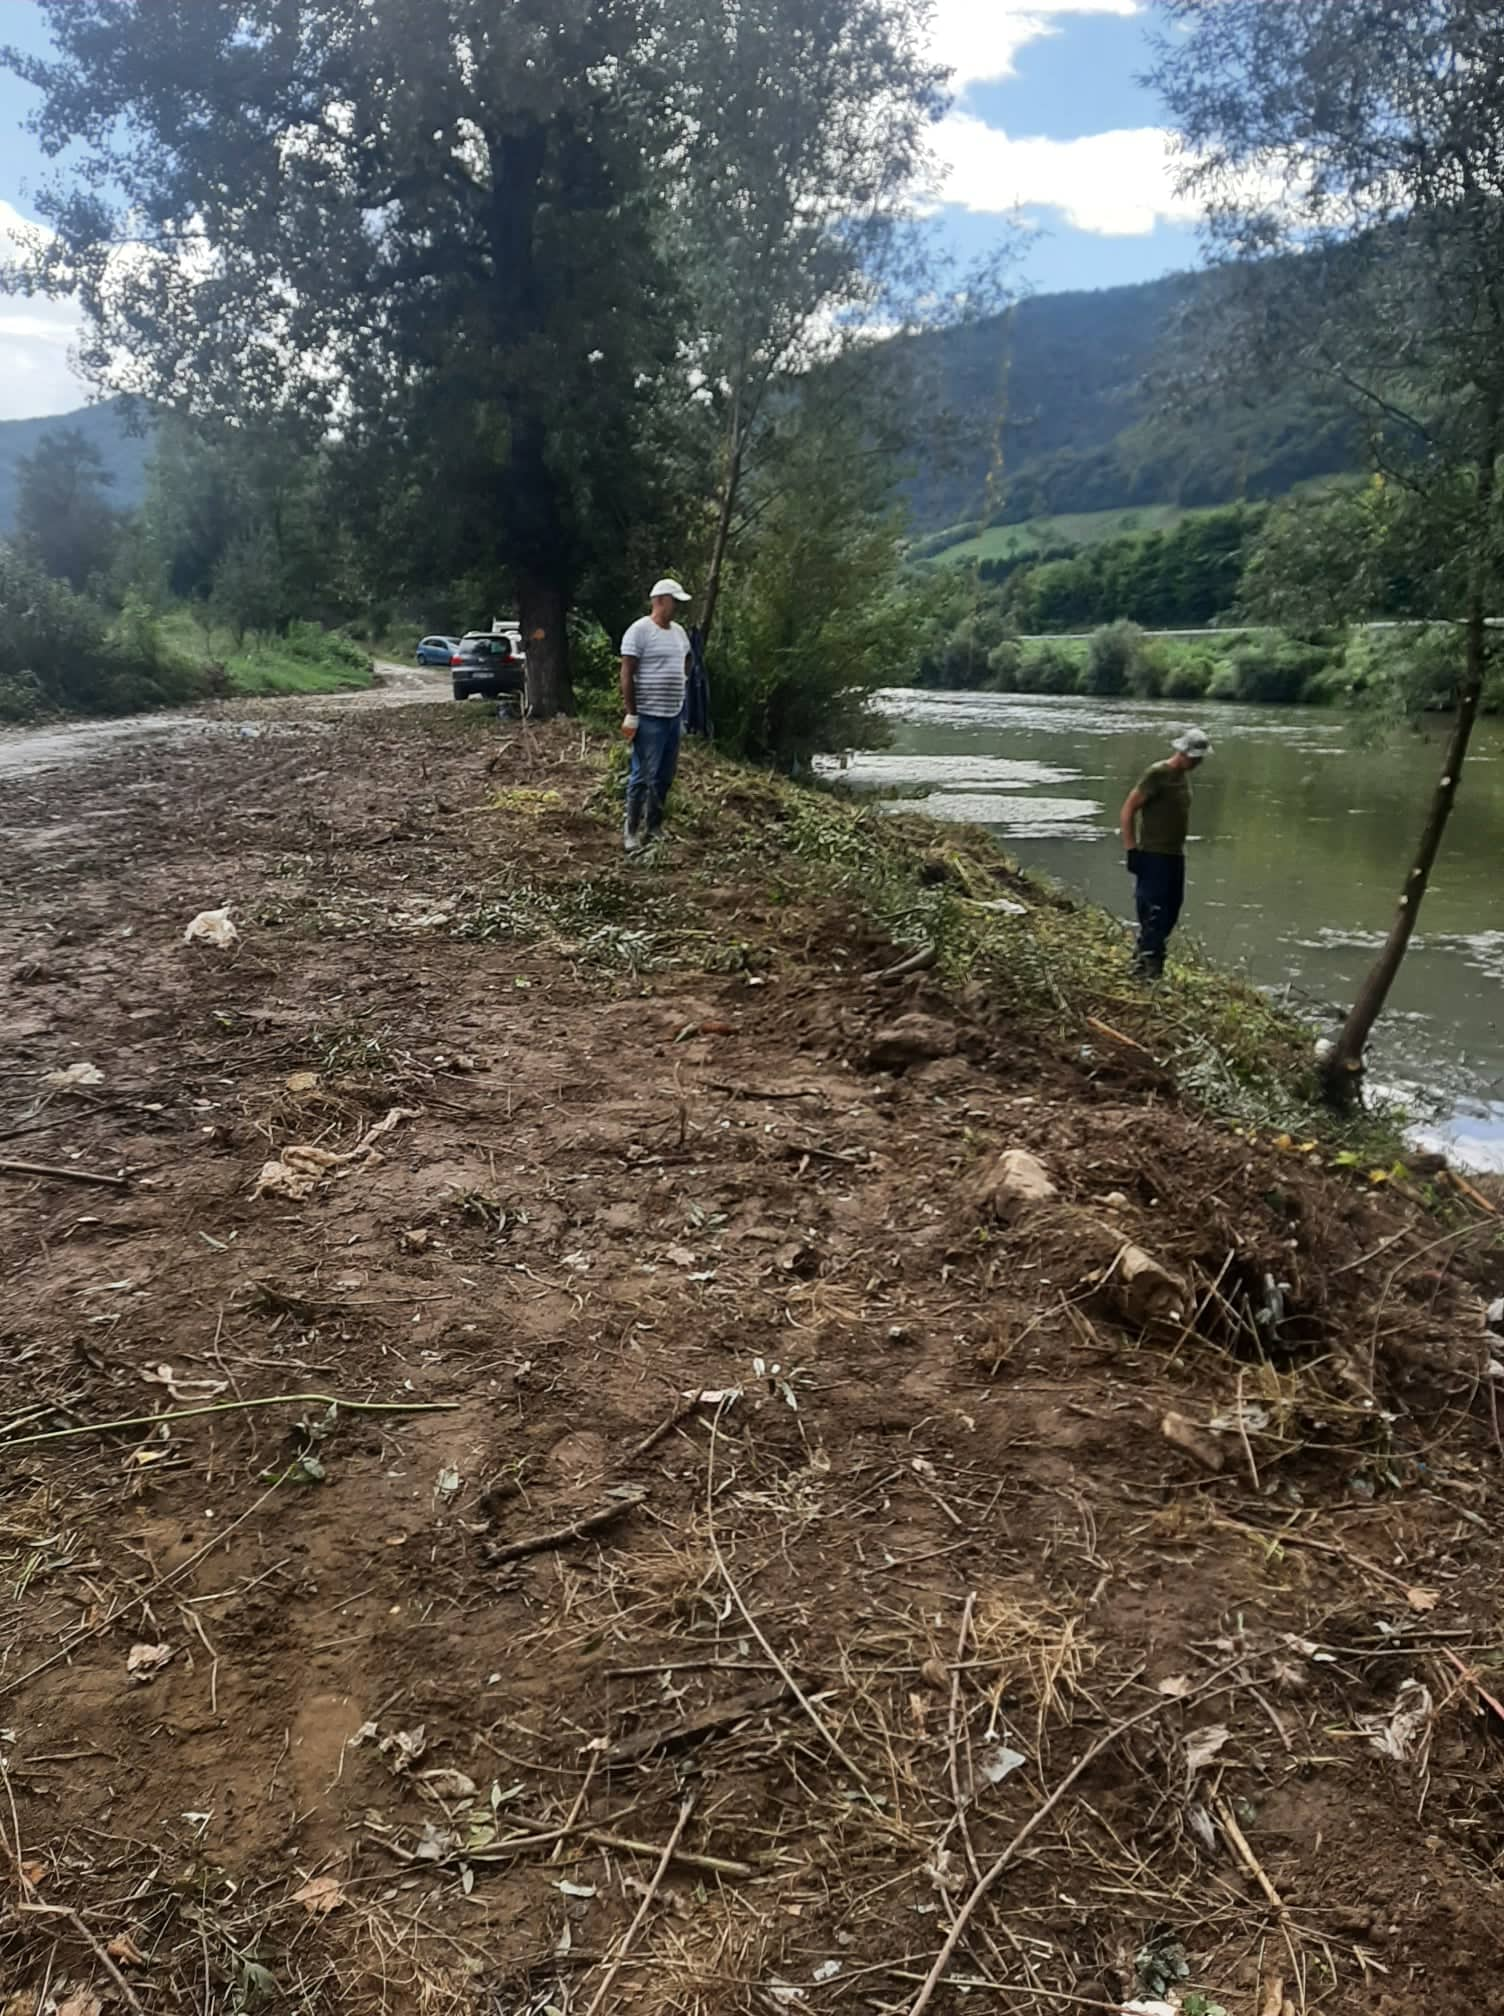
(643, 1908)
(953, 1734)
(560, 1536)
(916, 962)
(239, 1407)
(48, 1169)
(1246, 1856)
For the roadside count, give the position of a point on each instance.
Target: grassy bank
(1049, 967)
(306, 660)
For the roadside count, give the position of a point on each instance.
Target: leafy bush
(1003, 662)
(1147, 672)
(59, 654)
(1188, 678)
(1270, 670)
(1048, 668)
(1111, 657)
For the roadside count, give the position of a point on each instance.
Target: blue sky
(1048, 124)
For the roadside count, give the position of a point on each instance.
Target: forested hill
(125, 455)
(1065, 386)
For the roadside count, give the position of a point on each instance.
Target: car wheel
(461, 692)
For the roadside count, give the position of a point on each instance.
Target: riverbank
(822, 1508)
(1302, 836)
(1386, 672)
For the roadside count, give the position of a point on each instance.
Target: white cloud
(1118, 185)
(979, 39)
(36, 340)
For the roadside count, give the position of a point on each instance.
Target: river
(1303, 829)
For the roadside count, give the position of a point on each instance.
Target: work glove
(629, 728)
(1132, 860)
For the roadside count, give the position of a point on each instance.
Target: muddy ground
(623, 1215)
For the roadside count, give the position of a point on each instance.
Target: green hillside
(125, 454)
(1065, 407)
(1067, 528)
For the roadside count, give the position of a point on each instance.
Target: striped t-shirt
(660, 655)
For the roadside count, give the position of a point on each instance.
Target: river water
(1303, 829)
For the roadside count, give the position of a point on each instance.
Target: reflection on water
(1301, 841)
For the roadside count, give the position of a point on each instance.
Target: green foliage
(63, 518)
(305, 660)
(1270, 670)
(1111, 656)
(1187, 675)
(60, 654)
(1048, 668)
(817, 615)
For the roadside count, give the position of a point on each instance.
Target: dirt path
(782, 1478)
(27, 751)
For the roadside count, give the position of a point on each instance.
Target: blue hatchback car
(437, 650)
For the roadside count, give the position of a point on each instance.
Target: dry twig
(560, 1536)
(643, 1908)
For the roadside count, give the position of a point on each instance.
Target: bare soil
(308, 1707)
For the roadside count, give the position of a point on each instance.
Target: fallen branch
(952, 1738)
(597, 1837)
(560, 1536)
(1026, 1833)
(665, 1428)
(752, 1624)
(722, 1716)
(1246, 1856)
(1474, 1682)
(238, 1407)
(1116, 1036)
(643, 1908)
(1473, 1196)
(48, 1169)
(917, 962)
(757, 1092)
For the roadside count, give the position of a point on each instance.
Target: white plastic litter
(212, 927)
(73, 1078)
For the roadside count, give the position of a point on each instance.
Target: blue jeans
(655, 760)
(1159, 886)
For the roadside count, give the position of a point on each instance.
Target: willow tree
(804, 130)
(1366, 136)
(420, 223)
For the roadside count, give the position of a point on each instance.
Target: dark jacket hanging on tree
(697, 717)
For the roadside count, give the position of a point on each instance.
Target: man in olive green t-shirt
(1154, 822)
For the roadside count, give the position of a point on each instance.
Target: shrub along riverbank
(1400, 672)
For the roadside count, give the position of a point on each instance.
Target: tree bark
(723, 524)
(1342, 1073)
(542, 607)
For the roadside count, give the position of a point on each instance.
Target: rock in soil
(911, 1039)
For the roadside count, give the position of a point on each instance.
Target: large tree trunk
(723, 523)
(542, 607)
(1343, 1071)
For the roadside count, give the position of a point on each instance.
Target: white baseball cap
(671, 587)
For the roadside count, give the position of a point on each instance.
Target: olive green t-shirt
(1164, 819)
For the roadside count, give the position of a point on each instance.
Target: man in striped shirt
(654, 679)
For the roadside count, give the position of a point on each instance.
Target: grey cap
(1194, 742)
